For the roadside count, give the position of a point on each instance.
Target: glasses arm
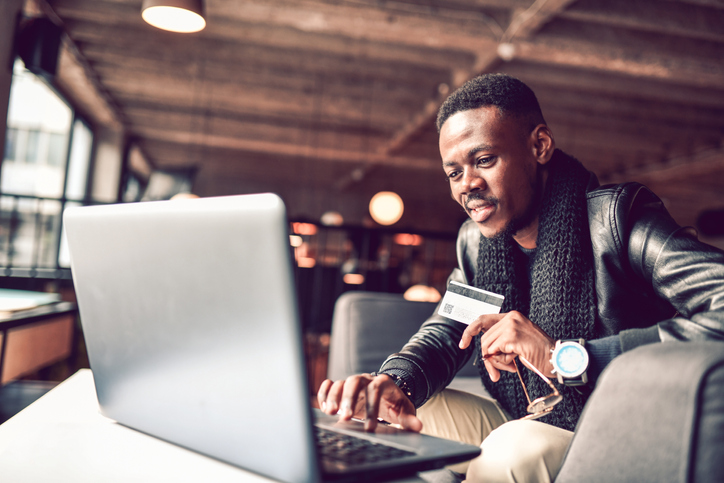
(521, 381)
(540, 374)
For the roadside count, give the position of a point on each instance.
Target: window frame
(37, 269)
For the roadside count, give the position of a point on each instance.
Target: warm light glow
(174, 19)
(303, 254)
(304, 228)
(422, 293)
(295, 240)
(386, 207)
(332, 218)
(184, 196)
(407, 239)
(353, 279)
(506, 51)
(306, 262)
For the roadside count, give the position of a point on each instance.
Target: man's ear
(543, 143)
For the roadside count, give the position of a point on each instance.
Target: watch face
(571, 359)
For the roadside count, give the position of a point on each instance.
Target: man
(574, 261)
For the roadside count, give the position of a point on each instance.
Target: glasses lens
(544, 403)
(537, 415)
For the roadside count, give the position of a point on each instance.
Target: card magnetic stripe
(476, 294)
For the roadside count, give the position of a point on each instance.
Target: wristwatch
(570, 361)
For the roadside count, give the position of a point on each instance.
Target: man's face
(491, 165)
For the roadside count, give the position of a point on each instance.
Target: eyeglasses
(543, 405)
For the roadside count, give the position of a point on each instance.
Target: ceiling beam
(677, 19)
(527, 22)
(592, 136)
(233, 97)
(439, 28)
(365, 98)
(621, 60)
(291, 150)
(305, 137)
(702, 163)
(703, 3)
(225, 54)
(671, 114)
(569, 121)
(159, 112)
(78, 84)
(273, 38)
(560, 77)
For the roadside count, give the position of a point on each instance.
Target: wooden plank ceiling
(330, 101)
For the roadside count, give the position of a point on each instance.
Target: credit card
(464, 303)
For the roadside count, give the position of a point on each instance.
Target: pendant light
(184, 16)
(386, 207)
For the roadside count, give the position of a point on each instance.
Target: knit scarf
(560, 296)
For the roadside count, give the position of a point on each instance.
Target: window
(45, 169)
(11, 143)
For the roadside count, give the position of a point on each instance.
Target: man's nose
(472, 181)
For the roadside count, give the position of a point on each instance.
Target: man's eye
(452, 175)
(486, 161)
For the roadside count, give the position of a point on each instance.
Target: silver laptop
(190, 319)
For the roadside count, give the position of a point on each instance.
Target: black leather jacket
(654, 282)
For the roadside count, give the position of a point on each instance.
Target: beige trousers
(512, 451)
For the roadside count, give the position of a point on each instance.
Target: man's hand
(367, 397)
(506, 336)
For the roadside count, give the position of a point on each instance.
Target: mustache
(477, 196)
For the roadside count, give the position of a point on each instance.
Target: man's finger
(470, 331)
(350, 396)
(506, 359)
(410, 422)
(492, 371)
(333, 396)
(372, 406)
(322, 394)
(481, 324)
(499, 362)
(476, 327)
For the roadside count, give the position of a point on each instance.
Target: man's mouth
(480, 210)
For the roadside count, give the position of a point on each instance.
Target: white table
(62, 437)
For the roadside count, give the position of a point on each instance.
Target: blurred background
(330, 102)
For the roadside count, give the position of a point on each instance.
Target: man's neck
(528, 236)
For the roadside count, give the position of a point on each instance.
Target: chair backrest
(657, 414)
(369, 326)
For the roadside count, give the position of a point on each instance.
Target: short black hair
(508, 94)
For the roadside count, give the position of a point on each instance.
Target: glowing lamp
(386, 207)
(353, 279)
(184, 16)
(422, 293)
(332, 218)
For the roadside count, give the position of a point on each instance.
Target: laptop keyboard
(354, 451)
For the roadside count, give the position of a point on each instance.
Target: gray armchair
(657, 414)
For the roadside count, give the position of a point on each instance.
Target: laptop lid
(190, 318)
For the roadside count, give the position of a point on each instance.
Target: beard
(515, 224)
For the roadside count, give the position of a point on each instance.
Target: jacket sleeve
(431, 358)
(682, 270)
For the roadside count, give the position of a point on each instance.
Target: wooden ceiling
(329, 101)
